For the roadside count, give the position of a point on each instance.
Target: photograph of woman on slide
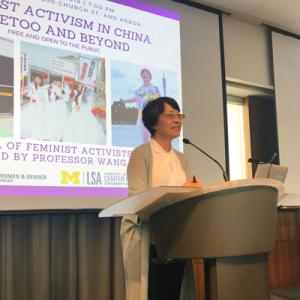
(147, 92)
(133, 86)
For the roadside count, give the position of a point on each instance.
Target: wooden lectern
(232, 224)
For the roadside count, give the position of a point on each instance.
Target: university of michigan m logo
(70, 178)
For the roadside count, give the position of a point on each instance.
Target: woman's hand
(194, 183)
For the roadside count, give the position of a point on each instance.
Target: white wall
(247, 55)
(286, 52)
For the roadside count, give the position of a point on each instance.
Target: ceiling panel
(279, 13)
(285, 14)
(236, 5)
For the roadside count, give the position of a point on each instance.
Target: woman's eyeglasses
(171, 116)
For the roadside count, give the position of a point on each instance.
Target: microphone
(257, 161)
(271, 162)
(272, 158)
(188, 142)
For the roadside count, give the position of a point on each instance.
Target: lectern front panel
(233, 222)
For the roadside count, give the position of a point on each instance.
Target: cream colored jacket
(135, 236)
(139, 169)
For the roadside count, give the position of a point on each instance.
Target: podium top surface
(148, 202)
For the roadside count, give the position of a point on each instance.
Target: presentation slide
(74, 78)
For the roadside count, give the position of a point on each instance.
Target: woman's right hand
(196, 183)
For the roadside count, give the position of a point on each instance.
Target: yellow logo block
(5, 94)
(70, 178)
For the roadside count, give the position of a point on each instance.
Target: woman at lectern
(153, 164)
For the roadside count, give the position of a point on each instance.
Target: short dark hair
(153, 109)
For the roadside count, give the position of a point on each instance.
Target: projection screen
(286, 57)
(72, 77)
